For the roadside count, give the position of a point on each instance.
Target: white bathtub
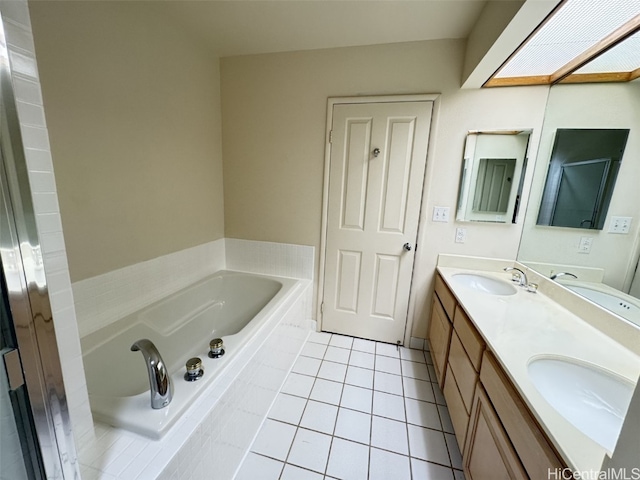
(230, 305)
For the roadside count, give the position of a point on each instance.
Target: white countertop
(521, 326)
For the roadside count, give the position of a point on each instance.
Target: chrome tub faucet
(159, 379)
(562, 274)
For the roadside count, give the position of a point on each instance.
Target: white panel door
(378, 158)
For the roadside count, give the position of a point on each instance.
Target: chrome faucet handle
(517, 276)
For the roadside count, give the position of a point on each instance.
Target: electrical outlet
(461, 235)
(440, 214)
(619, 224)
(585, 244)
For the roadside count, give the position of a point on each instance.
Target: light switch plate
(619, 224)
(441, 214)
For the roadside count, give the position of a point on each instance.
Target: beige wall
(133, 110)
(274, 114)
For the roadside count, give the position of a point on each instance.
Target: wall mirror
(492, 176)
(581, 177)
(603, 258)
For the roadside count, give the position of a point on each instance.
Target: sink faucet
(159, 379)
(520, 277)
(561, 274)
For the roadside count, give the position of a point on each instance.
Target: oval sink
(618, 305)
(483, 284)
(594, 400)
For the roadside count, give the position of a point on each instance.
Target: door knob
(376, 152)
(407, 247)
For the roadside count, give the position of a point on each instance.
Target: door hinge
(330, 136)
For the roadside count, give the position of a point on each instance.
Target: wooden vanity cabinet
(496, 432)
(440, 327)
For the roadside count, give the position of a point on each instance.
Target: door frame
(331, 102)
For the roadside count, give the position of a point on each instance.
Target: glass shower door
(19, 452)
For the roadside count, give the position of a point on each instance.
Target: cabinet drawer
(446, 297)
(439, 338)
(488, 453)
(535, 451)
(457, 410)
(469, 336)
(460, 365)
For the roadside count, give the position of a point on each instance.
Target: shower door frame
(27, 291)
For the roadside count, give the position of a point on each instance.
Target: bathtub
(231, 305)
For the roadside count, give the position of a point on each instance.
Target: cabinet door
(439, 338)
(488, 453)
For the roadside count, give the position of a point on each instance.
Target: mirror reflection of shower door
(580, 193)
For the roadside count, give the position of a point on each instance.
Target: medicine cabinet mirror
(492, 176)
(582, 172)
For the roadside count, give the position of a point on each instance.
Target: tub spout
(159, 379)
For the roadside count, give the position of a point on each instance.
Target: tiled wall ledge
(280, 259)
(211, 439)
(106, 298)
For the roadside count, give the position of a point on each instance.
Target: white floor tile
(412, 355)
(307, 366)
(360, 377)
(353, 425)
(387, 350)
(389, 406)
(459, 475)
(432, 373)
(428, 444)
(430, 471)
(362, 359)
(439, 397)
(389, 435)
(362, 345)
(423, 414)
(257, 467)
(326, 391)
(417, 343)
(357, 398)
(299, 385)
(287, 408)
(310, 450)
(348, 460)
(315, 350)
(320, 417)
(332, 371)
(454, 450)
(385, 465)
(291, 472)
(387, 364)
(336, 354)
(319, 337)
(415, 370)
(418, 389)
(274, 439)
(341, 341)
(386, 382)
(447, 426)
(427, 357)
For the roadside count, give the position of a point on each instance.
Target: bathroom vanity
(520, 371)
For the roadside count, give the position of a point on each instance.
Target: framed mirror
(492, 176)
(581, 177)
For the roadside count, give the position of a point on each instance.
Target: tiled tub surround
(215, 432)
(354, 409)
(518, 327)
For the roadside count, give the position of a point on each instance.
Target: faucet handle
(194, 369)
(532, 287)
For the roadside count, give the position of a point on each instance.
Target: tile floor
(354, 409)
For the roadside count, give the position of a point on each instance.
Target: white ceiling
(241, 27)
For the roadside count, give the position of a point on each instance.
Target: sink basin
(618, 305)
(483, 284)
(594, 400)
